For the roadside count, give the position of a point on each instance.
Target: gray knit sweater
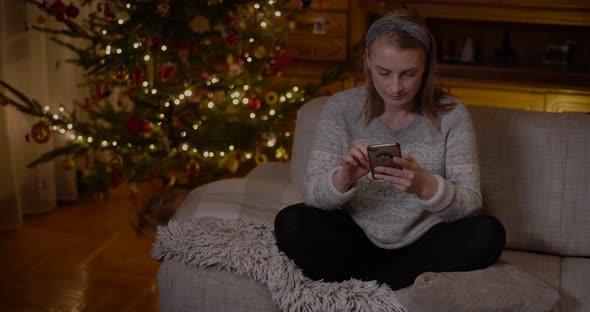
(389, 217)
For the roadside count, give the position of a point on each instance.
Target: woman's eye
(409, 74)
(383, 74)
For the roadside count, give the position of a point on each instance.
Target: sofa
(535, 175)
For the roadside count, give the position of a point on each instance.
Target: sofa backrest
(307, 120)
(535, 173)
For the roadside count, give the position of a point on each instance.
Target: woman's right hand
(355, 164)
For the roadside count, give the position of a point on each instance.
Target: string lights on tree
(185, 91)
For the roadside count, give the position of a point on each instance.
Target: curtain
(35, 65)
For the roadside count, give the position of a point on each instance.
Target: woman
(401, 223)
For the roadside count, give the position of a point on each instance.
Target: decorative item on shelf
(559, 55)
(319, 23)
(468, 51)
(305, 3)
(505, 55)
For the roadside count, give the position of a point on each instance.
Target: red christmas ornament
(156, 41)
(231, 39)
(87, 104)
(134, 125)
(137, 75)
(193, 169)
(284, 58)
(114, 180)
(164, 8)
(58, 8)
(272, 69)
(72, 11)
(109, 10)
(193, 49)
(254, 103)
(167, 71)
(230, 19)
(147, 126)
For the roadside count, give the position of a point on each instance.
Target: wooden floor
(85, 256)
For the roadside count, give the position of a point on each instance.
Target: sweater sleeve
(325, 159)
(458, 192)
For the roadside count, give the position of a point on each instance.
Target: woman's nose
(396, 86)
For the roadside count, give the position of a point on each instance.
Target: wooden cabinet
(499, 98)
(523, 98)
(567, 103)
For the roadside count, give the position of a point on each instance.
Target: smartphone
(381, 155)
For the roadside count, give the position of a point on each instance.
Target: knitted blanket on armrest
(246, 246)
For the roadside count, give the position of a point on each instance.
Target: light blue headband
(389, 24)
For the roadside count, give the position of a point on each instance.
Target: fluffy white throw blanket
(246, 246)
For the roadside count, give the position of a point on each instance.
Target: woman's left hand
(410, 179)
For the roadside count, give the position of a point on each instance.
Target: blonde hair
(428, 99)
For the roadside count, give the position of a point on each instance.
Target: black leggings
(329, 245)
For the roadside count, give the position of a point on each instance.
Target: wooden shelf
(533, 78)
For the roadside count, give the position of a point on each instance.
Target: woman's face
(397, 73)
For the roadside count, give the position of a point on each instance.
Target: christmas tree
(183, 91)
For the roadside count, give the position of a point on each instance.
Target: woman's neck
(397, 118)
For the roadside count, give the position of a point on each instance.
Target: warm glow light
(164, 48)
(89, 139)
(231, 147)
(146, 57)
(272, 112)
(252, 115)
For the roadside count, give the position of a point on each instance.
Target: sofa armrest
(271, 171)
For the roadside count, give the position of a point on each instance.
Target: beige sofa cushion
(534, 173)
(575, 285)
(501, 287)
